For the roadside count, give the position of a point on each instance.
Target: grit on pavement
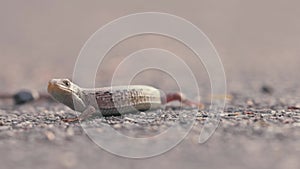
(259, 127)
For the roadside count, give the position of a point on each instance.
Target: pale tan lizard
(111, 101)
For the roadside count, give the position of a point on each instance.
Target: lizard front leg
(90, 110)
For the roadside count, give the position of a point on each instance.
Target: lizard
(111, 101)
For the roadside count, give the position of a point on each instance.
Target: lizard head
(66, 92)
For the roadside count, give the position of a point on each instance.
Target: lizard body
(111, 101)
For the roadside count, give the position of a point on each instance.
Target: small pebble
(25, 96)
(70, 131)
(267, 89)
(50, 135)
(117, 126)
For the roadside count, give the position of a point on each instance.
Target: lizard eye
(67, 83)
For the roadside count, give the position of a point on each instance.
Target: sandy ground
(258, 43)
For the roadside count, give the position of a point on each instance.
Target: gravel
(249, 128)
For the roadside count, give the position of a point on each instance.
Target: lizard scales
(124, 99)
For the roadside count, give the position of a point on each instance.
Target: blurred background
(258, 41)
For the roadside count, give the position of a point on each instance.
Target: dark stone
(267, 89)
(24, 96)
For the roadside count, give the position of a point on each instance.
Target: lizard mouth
(54, 87)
